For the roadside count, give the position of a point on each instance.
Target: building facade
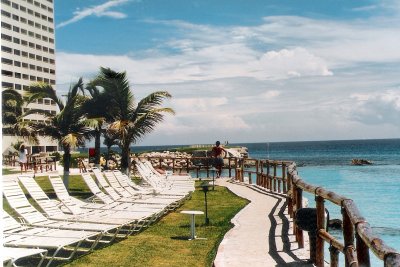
(28, 56)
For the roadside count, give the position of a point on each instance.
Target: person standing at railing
(217, 154)
(22, 158)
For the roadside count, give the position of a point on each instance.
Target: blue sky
(242, 70)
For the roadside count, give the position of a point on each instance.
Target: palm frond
(43, 90)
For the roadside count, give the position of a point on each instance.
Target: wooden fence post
(319, 246)
(299, 205)
(284, 182)
(348, 234)
(275, 176)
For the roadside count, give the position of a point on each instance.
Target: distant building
(28, 56)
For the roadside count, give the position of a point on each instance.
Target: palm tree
(68, 126)
(129, 121)
(109, 140)
(12, 116)
(96, 115)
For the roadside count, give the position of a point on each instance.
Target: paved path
(262, 233)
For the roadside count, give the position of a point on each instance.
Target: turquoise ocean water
(375, 188)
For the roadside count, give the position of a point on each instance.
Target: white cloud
(98, 11)
(290, 78)
(377, 108)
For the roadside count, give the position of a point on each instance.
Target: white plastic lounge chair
(18, 201)
(53, 212)
(162, 185)
(111, 177)
(12, 256)
(121, 213)
(116, 197)
(61, 244)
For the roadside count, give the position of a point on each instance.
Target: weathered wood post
(187, 165)
(275, 177)
(284, 181)
(362, 252)
(299, 205)
(230, 167)
(268, 175)
(290, 197)
(348, 234)
(319, 246)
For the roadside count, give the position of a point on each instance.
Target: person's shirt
(22, 155)
(217, 151)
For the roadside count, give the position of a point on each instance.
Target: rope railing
(281, 177)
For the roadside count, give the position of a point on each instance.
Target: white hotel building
(28, 56)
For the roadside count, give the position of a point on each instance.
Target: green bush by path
(165, 244)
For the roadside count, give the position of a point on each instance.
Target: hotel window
(46, 70)
(23, 42)
(22, 8)
(17, 63)
(37, 14)
(31, 34)
(6, 61)
(15, 28)
(38, 47)
(25, 87)
(37, 25)
(6, 14)
(45, 49)
(52, 61)
(17, 52)
(14, 5)
(7, 73)
(18, 87)
(25, 76)
(38, 36)
(32, 67)
(17, 75)
(23, 31)
(24, 54)
(31, 56)
(37, 4)
(15, 17)
(52, 71)
(38, 58)
(6, 25)
(51, 40)
(30, 1)
(45, 59)
(40, 101)
(30, 11)
(52, 82)
(16, 40)
(7, 2)
(31, 23)
(23, 20)
(47, 102)
(39, 79)
(32, 78)
(6, 37)
(38, 68)
(51, 51)
(7, 85)
(46, 80)
(44, 28)
(6, 49)
(25, 65)
(51, 30)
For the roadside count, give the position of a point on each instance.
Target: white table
(192, 213)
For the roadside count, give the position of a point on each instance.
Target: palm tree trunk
(125, 158)
(67, 163)
(97, 148)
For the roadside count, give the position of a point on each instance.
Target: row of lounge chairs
(56, 230)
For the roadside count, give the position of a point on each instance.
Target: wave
(390, 231)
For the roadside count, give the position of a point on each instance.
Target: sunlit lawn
(165, 242)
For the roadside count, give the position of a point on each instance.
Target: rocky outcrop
(359, 162)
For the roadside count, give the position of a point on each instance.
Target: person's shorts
(218, 161)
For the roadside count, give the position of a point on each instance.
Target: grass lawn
(6, 171)
(165, 244)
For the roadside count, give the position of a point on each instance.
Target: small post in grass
(213, 174)
(204, 187)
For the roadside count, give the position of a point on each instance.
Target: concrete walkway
(262, 235)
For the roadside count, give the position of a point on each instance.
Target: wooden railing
(358, 237)
(281, 177)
